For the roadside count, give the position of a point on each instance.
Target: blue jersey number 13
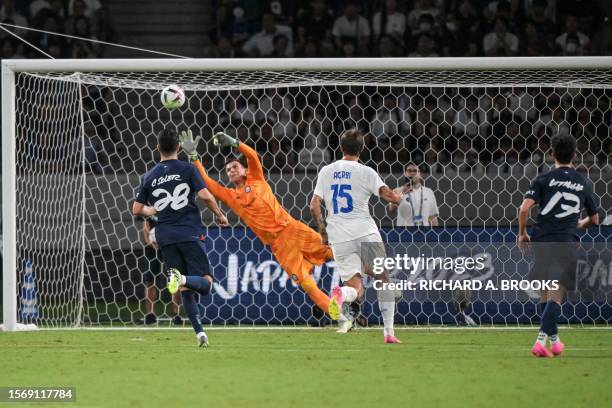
(342, 191)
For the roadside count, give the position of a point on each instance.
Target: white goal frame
(11, 67)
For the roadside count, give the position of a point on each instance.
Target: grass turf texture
(310, 368)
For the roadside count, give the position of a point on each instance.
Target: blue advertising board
(251, 287)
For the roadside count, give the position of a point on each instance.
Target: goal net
(78, 135)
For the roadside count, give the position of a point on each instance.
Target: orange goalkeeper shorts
(297, 248)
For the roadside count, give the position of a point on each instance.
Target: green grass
(311, 368)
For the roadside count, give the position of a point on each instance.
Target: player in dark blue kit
(168, 190)
(560, 195)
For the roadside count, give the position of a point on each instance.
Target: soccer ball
(173, 96)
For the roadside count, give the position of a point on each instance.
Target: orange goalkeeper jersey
(254, 202)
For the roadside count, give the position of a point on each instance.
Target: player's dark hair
(239, 158)
(563, 148)
(351, 142)
(168, 141)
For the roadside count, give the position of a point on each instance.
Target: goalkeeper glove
(189, 144)
(223, 140)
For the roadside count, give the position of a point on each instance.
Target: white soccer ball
(173, 96)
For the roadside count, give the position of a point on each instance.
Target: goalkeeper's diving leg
(189, 273)
(298, 249)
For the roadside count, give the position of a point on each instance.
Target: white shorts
(351, 256)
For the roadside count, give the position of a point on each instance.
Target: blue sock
(191, 307)
(551, 314)
(198, 283)
(541, 307)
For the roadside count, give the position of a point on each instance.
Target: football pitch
(310, 368)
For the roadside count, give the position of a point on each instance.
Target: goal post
(78, 134)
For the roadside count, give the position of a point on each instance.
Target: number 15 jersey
(560, 194)
(171, 187)
(346, 187)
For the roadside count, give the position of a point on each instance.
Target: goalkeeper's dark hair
(563, 148)
(351, 142)
(239, 158)
(168, 141)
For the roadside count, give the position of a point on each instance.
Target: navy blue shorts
(188, 257)
(555, 261)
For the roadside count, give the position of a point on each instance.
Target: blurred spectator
(351, 27)
(602, 41)
(281, 45)
(37, 6)
(8, 12)
(549, 9)
(389, 21)
(356, 118)
(425, 47)
(542, 21)
(51, 23)
(426, 25)
(78, 16)
(225, 49)
(500, 42)
(90, 7)
(262, 43)
(504, 9)
(387, 47)
(317, 21)
(422, 7)
(241, 28)
(470, 120)
(81, 27)
(313, 127)
(390, 125)
(465, 157)
(532, 43)
(572, 41)
(9, 49)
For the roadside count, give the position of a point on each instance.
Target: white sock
(200, 334)
(183, 280)
(386, 304)
(349, 294)
(555, 338)
(542, 338)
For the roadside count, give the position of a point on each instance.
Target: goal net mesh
(479, 138)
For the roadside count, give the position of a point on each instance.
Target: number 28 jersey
(346, 187)
(170, 187)
(560, 194)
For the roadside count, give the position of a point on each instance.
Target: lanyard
(412, 205)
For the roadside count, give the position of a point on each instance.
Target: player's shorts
(188, 257)
(152, 265)
(352, 256)
(555, 261)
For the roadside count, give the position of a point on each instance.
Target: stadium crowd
(467, 129)
(81, 18)
(413, 28)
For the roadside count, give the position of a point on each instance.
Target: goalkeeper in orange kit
(296, 246)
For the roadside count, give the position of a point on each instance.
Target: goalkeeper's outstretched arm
(254, 167)
(189, 146)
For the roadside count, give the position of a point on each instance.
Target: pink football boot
(539, 350)
(557, 348)
(392, 340)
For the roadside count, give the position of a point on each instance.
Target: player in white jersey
(346, 187)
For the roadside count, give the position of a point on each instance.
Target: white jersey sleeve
(375, 182)
(346, 187)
